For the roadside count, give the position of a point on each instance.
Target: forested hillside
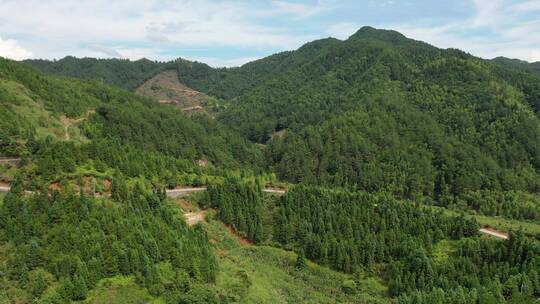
(112, 118)
(382, 112)
(388, 153)
(424, 256)
(96, 160)
(533, 67)
(118, 72)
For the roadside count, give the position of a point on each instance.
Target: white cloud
(9, 48)
(218, 62)
(111, 52)
(57, 28)
(487, 13)
(301, 10)
(527, 6)
(342, 30)
(493, 30)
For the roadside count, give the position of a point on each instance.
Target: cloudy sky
(230, 33)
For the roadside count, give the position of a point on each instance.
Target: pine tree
(300, 261)
(80, 288)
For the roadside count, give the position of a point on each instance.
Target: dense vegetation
(59, 247)
(382, 112)
(118, 72)
(353, 231)
(112, 121)
(379, 111)
(239, 205)
(388, 139)
(533, 67)
(394, 114)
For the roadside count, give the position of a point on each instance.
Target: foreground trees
(66, 244)
(424, 256)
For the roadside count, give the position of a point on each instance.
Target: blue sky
(230, 33)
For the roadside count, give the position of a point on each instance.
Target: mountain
(533, 67)
(392, 158)
(87, 217)
(382, 112)
(121, 73)
(42, 108)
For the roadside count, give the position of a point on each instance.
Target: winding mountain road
(174, 193)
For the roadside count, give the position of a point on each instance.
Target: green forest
(355, 231)
(346, 171)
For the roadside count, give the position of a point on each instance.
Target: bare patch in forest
(166, 88)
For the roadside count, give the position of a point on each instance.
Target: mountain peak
(368, 32)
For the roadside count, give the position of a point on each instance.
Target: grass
(7, 172)
(442, 251)
(502, 224)
(121, 290)
(264, 274)
(34, 112)
(507, 224)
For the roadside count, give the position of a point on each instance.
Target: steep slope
(383, 112)
(104, 119)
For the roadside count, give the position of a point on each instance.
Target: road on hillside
(195, 217)
(174, 193)
(9, 160)
(179, 192)
(495, 233)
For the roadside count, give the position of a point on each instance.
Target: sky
(230, 33)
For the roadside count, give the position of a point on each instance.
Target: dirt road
(275, 191)
(179, 192)
(495, 233)
(194, 217)
(10, 160)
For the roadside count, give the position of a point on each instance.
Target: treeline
(121, 73)
(58, 247)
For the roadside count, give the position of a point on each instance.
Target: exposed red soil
(242, 239)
